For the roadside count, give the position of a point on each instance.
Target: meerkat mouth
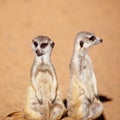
(98, 41)
(39, 53)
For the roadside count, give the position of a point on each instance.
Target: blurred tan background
(22, 20)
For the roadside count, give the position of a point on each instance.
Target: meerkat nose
(101, 40)
(37, 51)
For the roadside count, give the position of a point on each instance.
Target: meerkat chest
(85, 70)
(86, 76)
(45, 81)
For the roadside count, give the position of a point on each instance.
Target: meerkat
(43, 100)
(82, 101)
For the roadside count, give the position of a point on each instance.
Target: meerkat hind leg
(57, 112)
(31, 114)
(79, 111)
(34, 112)
(95, 110)
(57, 109)
(32, 108)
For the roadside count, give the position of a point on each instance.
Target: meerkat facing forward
(43, 98)
(82, 100)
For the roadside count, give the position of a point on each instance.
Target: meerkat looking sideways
(44, 100)
(82, 101)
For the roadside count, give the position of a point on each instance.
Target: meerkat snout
(42, 45)
(39, 53)
(96, 40)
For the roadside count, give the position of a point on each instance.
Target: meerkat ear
(52, 44)
(81, 43)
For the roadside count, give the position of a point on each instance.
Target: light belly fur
(45, 83)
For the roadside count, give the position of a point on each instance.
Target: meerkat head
(42, 45)
(85, 40)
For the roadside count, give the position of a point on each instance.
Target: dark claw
(97, 97)
(40, 101)
(52, 101)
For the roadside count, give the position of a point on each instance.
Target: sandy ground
(22, 20)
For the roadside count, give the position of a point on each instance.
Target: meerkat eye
(35, 43)
(43, 45)
(92, 38)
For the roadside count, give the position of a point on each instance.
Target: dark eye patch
(92, 38)
(35, 43)
(43, 45)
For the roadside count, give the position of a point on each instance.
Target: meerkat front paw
(40, 101)
(39, 98)
(97, 97)
(53, 97)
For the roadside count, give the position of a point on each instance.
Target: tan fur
(43, 101)
(67, 118)
(82, 101)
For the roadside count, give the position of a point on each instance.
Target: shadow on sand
(103, 99)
